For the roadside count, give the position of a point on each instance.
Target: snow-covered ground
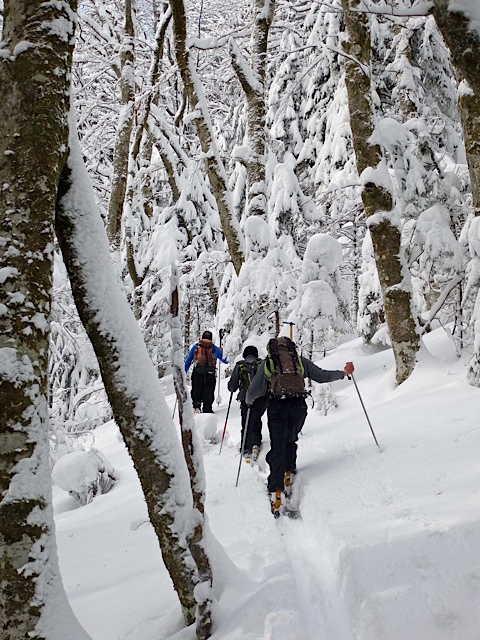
(388, 547)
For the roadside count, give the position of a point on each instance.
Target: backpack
(205, 361)
(247, 372)
(284, 369)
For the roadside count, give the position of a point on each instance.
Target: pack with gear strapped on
(284, 369)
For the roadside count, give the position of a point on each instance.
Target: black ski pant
(203, 390)
(254, 427)
(285, 421)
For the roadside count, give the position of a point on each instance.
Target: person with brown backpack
(281, 378)
(204, 355)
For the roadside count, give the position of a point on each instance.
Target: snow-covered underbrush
(84, 475)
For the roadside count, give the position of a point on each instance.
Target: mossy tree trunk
(382, 218)
(35, 63)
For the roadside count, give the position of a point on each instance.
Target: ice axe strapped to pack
(284, 369)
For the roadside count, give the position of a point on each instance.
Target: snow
(80, 473)
(389, 542)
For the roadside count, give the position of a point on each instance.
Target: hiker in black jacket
(281, 378)
(242, 374)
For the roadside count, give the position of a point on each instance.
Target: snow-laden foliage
(418, 129)
(78, 403)
(257, 300)
(312, 183)
(371, 317)
(290, 212)
(321, 308)
(84, 475)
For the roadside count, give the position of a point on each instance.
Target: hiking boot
(255, 452)
(248, 456)
(287, 483)
(276, 502)
(196, 411)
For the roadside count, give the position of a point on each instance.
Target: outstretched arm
(218, 353)
(190, 357)
(320, 375)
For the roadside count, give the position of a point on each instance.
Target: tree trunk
(464, 45)
(253, 84)
(215, 169)
(35, 89)
(124, 132)
(469, 109)
(129, 376)
(194, 459)
(377, 196)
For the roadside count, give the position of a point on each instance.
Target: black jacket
(235, 381)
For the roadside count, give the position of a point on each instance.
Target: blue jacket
(191, 355)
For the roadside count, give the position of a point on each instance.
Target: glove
(349, 369)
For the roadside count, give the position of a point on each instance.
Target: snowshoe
(276, 502)
(248, 457)
(255, 452)
(291, 512)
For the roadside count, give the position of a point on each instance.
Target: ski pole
(174, 407)
(366, 414)
(219, 398)
(243, 445)
(225, 426)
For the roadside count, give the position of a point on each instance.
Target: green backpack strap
(273, 357)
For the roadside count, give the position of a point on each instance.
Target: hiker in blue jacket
(204, 355)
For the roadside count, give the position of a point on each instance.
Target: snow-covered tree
(252, 76)
(213, 162)
(257, 300)
(377, 195)
(321, 309)
(130, 379)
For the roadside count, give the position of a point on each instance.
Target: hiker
(240, 380)
(281, 379)
(204, 354)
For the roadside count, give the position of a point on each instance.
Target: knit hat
(207, 335)
(250, 351)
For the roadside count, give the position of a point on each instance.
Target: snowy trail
(319, 598)
(306, 564)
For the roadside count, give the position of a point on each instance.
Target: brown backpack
(284, 369)
(204, 356)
